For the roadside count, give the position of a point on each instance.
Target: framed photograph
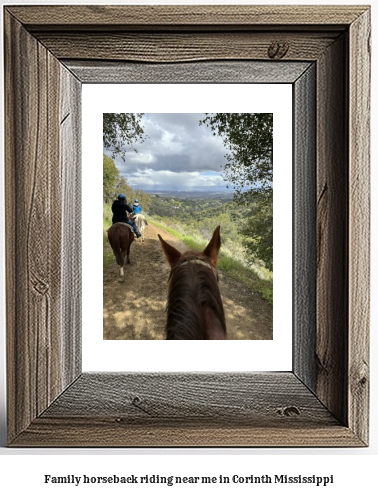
(324, 53)
(175, 172)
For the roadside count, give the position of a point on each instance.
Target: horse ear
(212, 249)
(171, 252)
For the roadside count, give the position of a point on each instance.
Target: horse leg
(115, 242)
(128, 255)
(121, 272)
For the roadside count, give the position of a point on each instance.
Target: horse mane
(189, 291)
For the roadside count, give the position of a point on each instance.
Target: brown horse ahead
(120, 237)
(195, 309)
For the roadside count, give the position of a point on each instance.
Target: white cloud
(168, 180)
(143, 158)
(175, 154)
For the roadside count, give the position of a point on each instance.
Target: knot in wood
(288, 411)
(361, 375)
(41, 287)
(140, 404)
(278, 50)
(136, 400)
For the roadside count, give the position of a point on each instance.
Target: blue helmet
(122, 196)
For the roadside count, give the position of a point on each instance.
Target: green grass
(169, 230)
(250, 279)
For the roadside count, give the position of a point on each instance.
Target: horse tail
(115, 243)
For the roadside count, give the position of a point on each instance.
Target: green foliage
(257, 227)
(144, 199)
(110, 178)
(123, 187)
(107, 254)
(189, 209)
(114, 184)
(199, 217)
(249, 168)
(249, 137)
(121, 130)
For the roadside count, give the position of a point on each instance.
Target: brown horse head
(195, 309)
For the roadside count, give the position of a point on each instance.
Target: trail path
(134, 309)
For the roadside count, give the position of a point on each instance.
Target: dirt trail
(134, 309)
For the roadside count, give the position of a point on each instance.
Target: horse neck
(213, 327)
(195, 309)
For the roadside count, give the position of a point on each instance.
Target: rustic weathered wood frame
(49, 52)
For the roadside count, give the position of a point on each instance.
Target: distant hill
(226, 194)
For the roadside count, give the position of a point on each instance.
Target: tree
(114, 183)
(249, 168)
(122, 186)
(110, 178)
(121, 130)
(258, 228)
(249, 138)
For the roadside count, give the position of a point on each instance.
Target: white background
(145, 355)
(354, 470)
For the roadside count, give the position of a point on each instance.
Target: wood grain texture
(180, 47)
(200, 72)
(324, 402)
(332, 230)
(100, 432)
(184, 16)
(304, 227)
(70, 162)
(33, 187)
(186, 410)
(359, 226)
(34, 238)
(231, 397)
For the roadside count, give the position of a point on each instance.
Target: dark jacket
(119, 209)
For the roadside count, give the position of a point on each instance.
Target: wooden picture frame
(324, 52)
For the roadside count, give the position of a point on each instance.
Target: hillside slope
(135, 309)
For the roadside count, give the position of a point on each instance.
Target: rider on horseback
(137, 208)
(119, 209)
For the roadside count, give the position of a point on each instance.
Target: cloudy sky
(178, 154)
